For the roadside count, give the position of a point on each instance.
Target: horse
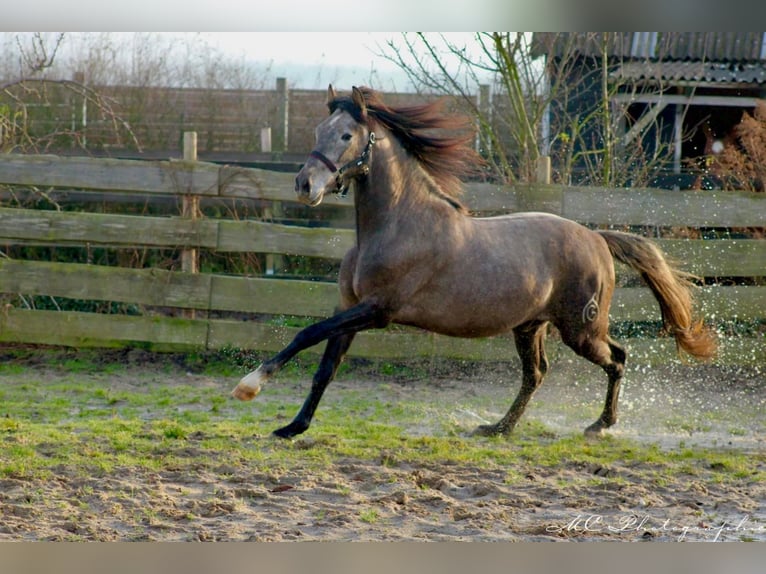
(421, 259)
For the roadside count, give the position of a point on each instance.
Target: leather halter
(351, 170)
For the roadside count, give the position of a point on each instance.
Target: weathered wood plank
(718, 258)
(273, 296)
(262, 237)
(487, 197)
(62, 227)
(725, 302)
(65, 227)
(203, 291)
(659, 207)
(160, 288)
(629, 206)
(166, 334)
(154, 287)
(74, 329)
(712, 258)
(104, 174)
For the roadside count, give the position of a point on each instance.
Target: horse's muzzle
(306, 189)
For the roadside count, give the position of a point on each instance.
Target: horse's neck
(397, 200)
(396, 187)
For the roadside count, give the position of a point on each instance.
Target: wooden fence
(152, 291)
(229, 122)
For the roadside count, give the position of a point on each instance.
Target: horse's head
(341, 153)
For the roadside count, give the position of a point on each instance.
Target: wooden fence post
(266, 140)
(279, 133)
(543, 170)
(274, 261)
(190, 210)
(279, 145)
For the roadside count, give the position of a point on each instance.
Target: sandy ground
(389, 500)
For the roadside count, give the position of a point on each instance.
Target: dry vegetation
(743, 166)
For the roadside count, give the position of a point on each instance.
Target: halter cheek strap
(353, 169)
(324, 159)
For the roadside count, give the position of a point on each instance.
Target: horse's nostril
(302, 184)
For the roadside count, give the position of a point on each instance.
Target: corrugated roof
(705, 46)
(675, 71)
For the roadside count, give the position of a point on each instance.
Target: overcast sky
(311, 60)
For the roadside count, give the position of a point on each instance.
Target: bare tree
(543, 102)
(89, 90)
(436, 64)
(39, 109)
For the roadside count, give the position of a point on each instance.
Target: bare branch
(39, 56)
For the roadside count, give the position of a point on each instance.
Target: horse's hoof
(486, 430)
(596, 430)
(245, 393)
(289, 431)
(249, 387)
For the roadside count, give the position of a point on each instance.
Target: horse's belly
(465, 320)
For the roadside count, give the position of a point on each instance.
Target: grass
(92, 420)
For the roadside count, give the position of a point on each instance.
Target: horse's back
(508, 270)
(537, 238)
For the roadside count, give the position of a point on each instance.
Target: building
(675, 94)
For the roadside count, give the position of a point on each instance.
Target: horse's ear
(358, 98)
(331, 95)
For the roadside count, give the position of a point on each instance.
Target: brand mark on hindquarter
(590, 311)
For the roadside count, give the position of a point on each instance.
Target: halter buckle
(355, 168)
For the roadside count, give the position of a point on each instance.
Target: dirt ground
(381, 500)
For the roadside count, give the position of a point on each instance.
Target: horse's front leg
(333, 355)
(365, 315)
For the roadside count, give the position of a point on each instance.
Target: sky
(311, 60)
(355, 48)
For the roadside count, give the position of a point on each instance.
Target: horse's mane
(439, 142)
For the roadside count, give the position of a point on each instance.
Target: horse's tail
(671, 288)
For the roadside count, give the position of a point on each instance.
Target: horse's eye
(346, 137)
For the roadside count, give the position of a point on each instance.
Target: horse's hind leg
(614, 368)
(610, 356)
(333, 355)
(529, 339)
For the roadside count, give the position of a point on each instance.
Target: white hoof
(250, 385)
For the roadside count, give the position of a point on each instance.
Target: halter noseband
(353, 169)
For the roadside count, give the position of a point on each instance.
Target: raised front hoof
(244, 392)
(290, 431)
(490, 430)
(250, 385)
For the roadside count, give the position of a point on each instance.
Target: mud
(385, 499)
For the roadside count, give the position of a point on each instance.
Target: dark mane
(439, 142)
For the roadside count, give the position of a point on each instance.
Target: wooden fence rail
(152, 289)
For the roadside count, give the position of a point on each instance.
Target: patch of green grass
(9, 369)
(91, 423)
(369, 515)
